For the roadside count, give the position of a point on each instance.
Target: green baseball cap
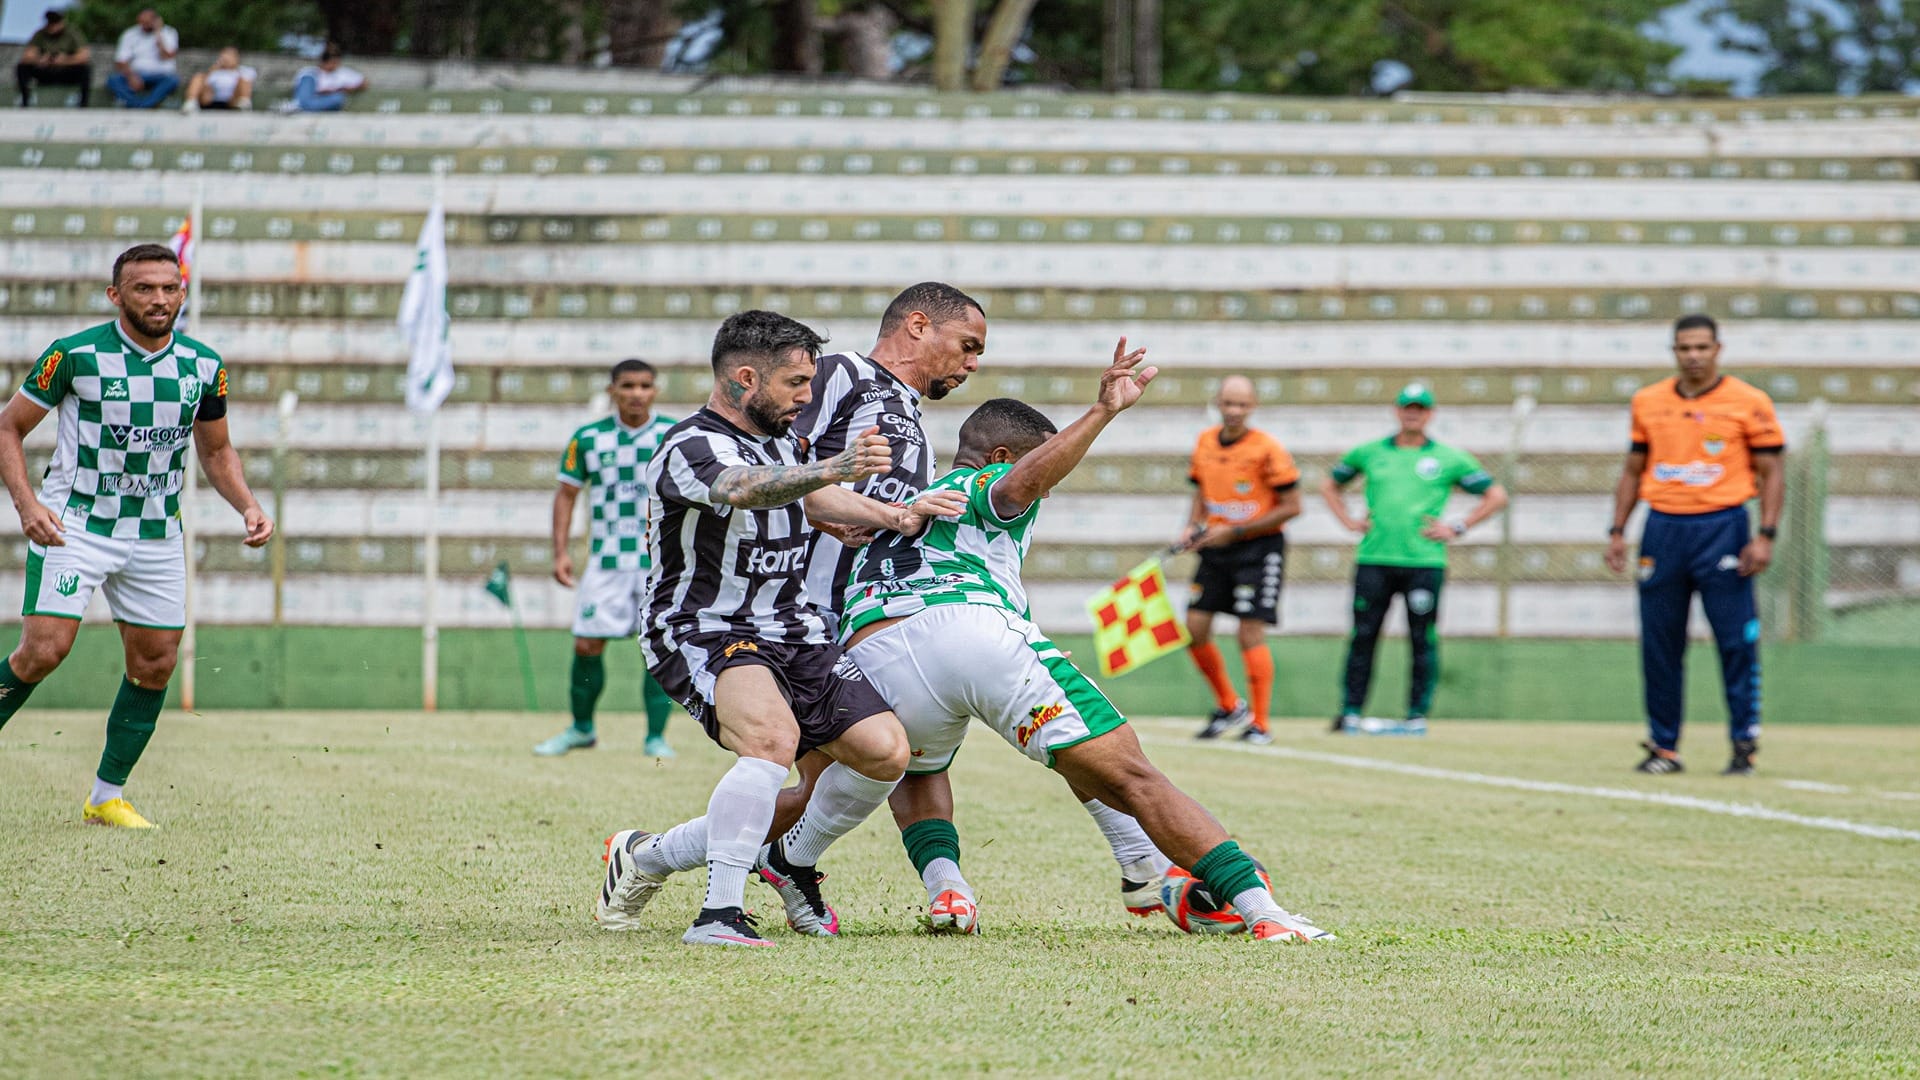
(1416, 393)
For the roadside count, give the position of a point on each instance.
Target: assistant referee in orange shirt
(1703, 444)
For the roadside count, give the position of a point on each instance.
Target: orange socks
(1259, 682)
(1207, 658)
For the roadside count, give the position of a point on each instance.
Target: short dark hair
(56, 15)
(331, 51)
(628, 367)
(940, 302)
(1006, 422)
(762, 339)
(144, 253)
(1697, 321)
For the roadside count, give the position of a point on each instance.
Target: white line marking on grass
(1684, 802)
(1816, 785)
(1905, 796)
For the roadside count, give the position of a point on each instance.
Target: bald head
(1235, 401)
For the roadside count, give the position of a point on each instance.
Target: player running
(729, 633)
(1403, 549)
(1703, 444)
(131, 394)
(609, 459)
(939, 623)
(1245, 490)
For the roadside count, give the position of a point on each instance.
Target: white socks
(104, 792)
(737, 820)
(1124, 835)
(841, 800)
(683, 847)
(1256, 904)
(943, 874)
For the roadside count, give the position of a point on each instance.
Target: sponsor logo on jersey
(981, 480)
(114, 390)
(43, 379)
(144, 439)
(190, 391)
(1037, 717)
(1427, 468)
(143, 486)
(874, 394)
(573, 455)
(67, 583)
(738, 647)
(1729, 562)
(891, 489)
(220, 384)
(629, 490)
(768, 562)
(1692, 474)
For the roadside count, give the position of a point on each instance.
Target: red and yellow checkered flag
(1134, 622)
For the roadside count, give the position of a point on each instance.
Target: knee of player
(887, 753)
(152, 669)
(35, 660)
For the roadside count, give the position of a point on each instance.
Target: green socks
(1228, 872)
(14, 692)
(589, 678)
(931, 839)
(129, 726)
(659, 706)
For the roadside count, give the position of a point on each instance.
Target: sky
(1703, 59)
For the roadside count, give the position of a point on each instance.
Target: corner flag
(497, 584)
(1134, 622)
(181, 244)
(423, 318)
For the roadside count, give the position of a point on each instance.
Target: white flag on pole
(423, 318)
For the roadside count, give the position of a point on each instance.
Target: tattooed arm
(838, 506)
(758, 487)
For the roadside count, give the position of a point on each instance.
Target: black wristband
(1617, 530)
(1769, 531)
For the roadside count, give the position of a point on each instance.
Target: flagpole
(189, 636)
(429, 614)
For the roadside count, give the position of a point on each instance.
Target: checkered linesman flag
(1134, 622)
(423, 318)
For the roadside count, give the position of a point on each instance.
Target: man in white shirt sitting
(325, 86)
(144, 74)
(226, 85)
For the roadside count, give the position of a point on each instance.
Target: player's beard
(942, 387)
(158, 326)
(767, 418)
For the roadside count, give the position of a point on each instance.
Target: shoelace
(808, 880)
(746, 922)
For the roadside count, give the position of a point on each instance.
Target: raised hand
(867, 455)
(1122, 384)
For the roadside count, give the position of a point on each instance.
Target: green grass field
(395, 894)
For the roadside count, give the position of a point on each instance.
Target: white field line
(1684, 802)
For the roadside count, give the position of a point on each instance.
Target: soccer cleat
(799, 889)
(1347, 723)
(1254, 736)
(570, 739)
(627, 888)
(657, 747)
(1220, 721)
(1659, 762)
(1742, 763)
(724, 926)
(1142, 898)
(1290, 929)
(952, 911)
(118, 813)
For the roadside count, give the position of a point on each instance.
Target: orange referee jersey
(1700, 450)
(1243, 479)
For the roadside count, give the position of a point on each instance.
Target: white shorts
(950, 662)
(609, 603)
(145, 580)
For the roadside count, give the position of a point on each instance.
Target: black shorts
(1242, 579)
(826, 690)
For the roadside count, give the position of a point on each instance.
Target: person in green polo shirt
(1403, 548)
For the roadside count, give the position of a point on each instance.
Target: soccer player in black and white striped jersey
(730, 634)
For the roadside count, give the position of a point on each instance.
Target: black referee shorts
(1242, 579)
(826, 690)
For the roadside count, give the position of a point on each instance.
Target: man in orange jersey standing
(1245, 490)
(1703, 444)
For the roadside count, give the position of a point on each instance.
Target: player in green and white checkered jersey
(608, 459)
(131, 394)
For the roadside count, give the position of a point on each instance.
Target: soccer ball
(1195, 910)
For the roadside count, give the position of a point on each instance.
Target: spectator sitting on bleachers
(228, 84)
(144, 74)
(56, 55)
(324, 86)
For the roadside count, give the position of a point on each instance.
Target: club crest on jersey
(43, 379)
(67, 583)
(1242, 487)
(1646, 569)
(1427, 468)
(114, 390)
(189, 391)
(1037, 717)
(1714, 444)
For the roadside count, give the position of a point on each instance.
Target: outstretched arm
(1049, 463)
(758, 487)
(221, 462)
(838, 506)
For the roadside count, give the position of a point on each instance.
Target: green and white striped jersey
(126, 417)
(610, 460)
(972, 559)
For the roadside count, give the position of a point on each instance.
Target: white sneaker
(191, 106)
(728, 926)
(1289, 928)
(952, 911)
(799, 889)
(627, 888)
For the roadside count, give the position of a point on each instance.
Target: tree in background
(1850, 46)
(203, 24)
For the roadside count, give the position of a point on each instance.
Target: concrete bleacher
(1502, 249)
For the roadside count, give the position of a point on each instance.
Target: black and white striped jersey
(718, 569)
(851, 394)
